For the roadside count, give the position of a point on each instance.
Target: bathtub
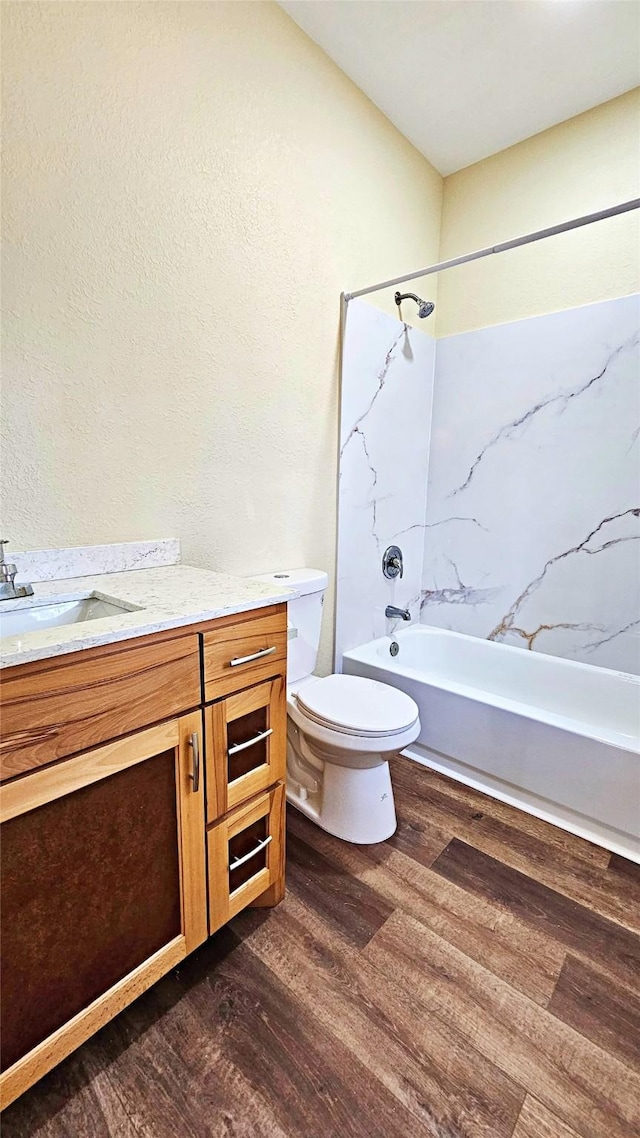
(553, 737)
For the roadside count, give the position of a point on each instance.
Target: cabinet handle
(249, 742)
(252, 853)
(254, 656)
(194, 743)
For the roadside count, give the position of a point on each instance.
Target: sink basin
(37, 618)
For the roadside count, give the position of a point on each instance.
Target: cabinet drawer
(245, 652)
(245, 854)
(55, 708)
(246, 741)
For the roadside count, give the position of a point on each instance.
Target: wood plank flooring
(477, 976)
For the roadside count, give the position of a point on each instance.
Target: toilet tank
(304, 615)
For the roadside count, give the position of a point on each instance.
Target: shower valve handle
(392, 563)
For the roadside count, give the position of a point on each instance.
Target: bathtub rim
(368, 654)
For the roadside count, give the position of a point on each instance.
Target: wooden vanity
(141, 807)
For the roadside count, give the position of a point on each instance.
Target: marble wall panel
(533, 511)
(387, 383)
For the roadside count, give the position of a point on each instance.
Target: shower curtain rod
(575, 223)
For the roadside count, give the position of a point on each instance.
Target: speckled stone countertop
(160, 598)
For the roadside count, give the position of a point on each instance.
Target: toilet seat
(357, 707)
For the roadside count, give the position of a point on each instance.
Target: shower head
(425, 307)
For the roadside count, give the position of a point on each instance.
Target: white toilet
(341, 729)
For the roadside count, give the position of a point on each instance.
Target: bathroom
(211, 397)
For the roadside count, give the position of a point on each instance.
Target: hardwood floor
(477, 976)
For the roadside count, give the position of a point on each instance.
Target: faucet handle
(7, 569)
(392, 565)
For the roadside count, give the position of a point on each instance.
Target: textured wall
(580, 166)
(187, 188)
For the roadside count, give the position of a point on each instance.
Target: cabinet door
(246, 737)
(246, 856)
(103, 889)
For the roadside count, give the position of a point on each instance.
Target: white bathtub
(556, 738)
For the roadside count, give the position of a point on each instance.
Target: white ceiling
(463, 79)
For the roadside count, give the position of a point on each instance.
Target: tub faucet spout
(391, 611)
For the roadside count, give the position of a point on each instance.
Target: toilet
(341, 730)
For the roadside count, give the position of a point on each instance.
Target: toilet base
(355, 803)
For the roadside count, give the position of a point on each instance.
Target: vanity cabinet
(103, 888)
(142, 806)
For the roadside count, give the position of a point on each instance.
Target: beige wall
(187, 189)
(583, 165)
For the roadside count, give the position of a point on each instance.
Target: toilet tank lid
(302, 580)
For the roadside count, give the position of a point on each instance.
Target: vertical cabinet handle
(194, 743)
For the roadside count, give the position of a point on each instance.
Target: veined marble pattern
(170, 596)
(86, 560)
(387, 383)
(533, 512)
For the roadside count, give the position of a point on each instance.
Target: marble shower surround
(533, 506)
(385, 419)
(530, 529)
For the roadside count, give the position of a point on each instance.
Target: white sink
(37, 618)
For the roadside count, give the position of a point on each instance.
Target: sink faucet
(8, 588)
(391, 611)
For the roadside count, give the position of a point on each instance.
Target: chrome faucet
(391, 612)
(8, 588)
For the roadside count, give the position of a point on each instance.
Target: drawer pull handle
(249, 742)
(194, 743)
(252, 853)
(254, 656)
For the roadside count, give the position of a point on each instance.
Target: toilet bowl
(341, 730)
(339, 739)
